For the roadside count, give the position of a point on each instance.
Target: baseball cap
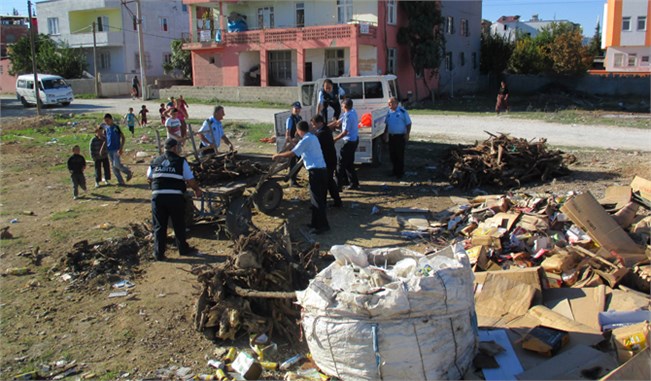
(170, 142)
(296, 104)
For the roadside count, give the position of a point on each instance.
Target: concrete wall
(236, 94)
(590, 84)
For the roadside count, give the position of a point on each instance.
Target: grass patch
(251, 132)
(85, 96)
(225, 102)
(109, 375)
(67, 214)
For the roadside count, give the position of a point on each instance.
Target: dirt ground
(43, 319)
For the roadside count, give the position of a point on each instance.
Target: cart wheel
(268, 197)
(238, 217)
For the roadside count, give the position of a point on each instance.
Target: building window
(462, 59)
(644, 61)
(618, 60)
(184, 8)
(474, 60)
(280, 65)
(102, 24)
(53, 25)
(448, 61)
(392, 61)
(464, 28)
(300, 15)
(626, 23)
(449, 25)
(266, 17)
(632, 60)
(641, 22)
(147, 61)
(392, 12)
(167, 58)
(163, 24)
(104, 59)
(335, 62)
(344, 11)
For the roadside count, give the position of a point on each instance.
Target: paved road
(448, 129)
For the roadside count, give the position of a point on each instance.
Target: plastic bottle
(290, 361)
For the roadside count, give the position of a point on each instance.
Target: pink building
(282, 43)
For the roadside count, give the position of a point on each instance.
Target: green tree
(595, 43)
(495, 53)
(180, 60)
(562, 50)
(422, 35)
(526, 57)
(51, 57)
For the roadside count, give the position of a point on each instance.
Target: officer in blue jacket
(168, 175)
(397, 132)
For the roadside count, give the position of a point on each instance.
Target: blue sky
(584, 12)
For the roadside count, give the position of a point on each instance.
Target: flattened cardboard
(534, 276)
(636, 368)
(585, 211)
(572, 365)
(533, 223)
(502, 297)
(642, 185)
(616, 197)
(584, 303)
(503, 220)
(619, 300)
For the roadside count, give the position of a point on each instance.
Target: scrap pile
(109, 260)
(254, 290)
(225, 167)
(554, 277)
(506, 162)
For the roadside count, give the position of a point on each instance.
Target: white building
(116, 31)
(511, 26)
(626, 35)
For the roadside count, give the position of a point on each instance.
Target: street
(441, 128)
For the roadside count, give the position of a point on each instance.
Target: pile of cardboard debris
(222, 167)
(562, 285)
(109, 260)
(505, 161)
(255, 289)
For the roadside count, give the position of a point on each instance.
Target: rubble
(254, 290)
(225, 167)
(505, 161)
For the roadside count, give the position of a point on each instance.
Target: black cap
(296, 104)
(108, 116)
(170, 142)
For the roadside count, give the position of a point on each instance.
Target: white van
(370, 94)
(52, 90)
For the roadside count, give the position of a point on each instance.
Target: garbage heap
(561, 282)
(225, 167)
(391, 314)
(506, 162)
(255, 288)
(109, 260)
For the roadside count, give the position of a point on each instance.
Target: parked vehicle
(52, 90)
(370, 95)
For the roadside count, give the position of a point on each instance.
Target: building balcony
(85, 40)
(205, 39)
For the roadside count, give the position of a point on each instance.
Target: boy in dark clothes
(100, 156)
(76, 166)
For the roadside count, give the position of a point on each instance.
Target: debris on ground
(254, 290)
(110, 260)
(225, 167)
(5, 233)
(505, 161)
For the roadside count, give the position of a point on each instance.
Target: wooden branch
(247, 293)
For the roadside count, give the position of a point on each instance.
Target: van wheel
(376, 159)
(24, 102)
(64, 104)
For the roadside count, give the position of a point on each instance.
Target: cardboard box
(617, 196)
(585, 211)
(643, 186)
(545, 340)
(636, 368)
(630, 340)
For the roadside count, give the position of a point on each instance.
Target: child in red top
(143, 116)
(161, 111)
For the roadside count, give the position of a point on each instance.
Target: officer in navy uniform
(397, 132)
(331, 95)
(291, 138)
(168, 175)
(309, 149)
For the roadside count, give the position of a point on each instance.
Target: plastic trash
(349, 254)
(614, 319)
(291, 361)
(123, 284)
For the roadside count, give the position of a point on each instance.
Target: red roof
(508, 19)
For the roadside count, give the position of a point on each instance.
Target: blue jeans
(114, 157)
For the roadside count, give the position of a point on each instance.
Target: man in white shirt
(212, 132)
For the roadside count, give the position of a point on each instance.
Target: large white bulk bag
(392, 314)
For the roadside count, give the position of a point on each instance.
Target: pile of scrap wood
(255, 289)
(225, 167)
(506, 162)
(109, 260)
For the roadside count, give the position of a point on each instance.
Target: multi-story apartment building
(626, 35)
(282, 43)
(116, 31)
(12, 28)
(510, 27)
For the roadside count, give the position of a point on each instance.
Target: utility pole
(32, 43)
(95, 60)
(143, 75)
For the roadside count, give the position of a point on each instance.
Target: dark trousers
(336, 106)
(292, 163)
(99, 164)
(164, 207)
(346, 173)
(397, 153)
(332, 184)
(78, 181)
(318, 192)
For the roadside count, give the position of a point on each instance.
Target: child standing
(100, 156)
(76, 166)
(130, 120)
(161, 111)
(143, 116)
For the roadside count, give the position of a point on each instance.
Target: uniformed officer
(291, 138)
(309, 149)
(346, 173)
(397, 132)
(168, 175)
(331, 96)
(212, 132)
